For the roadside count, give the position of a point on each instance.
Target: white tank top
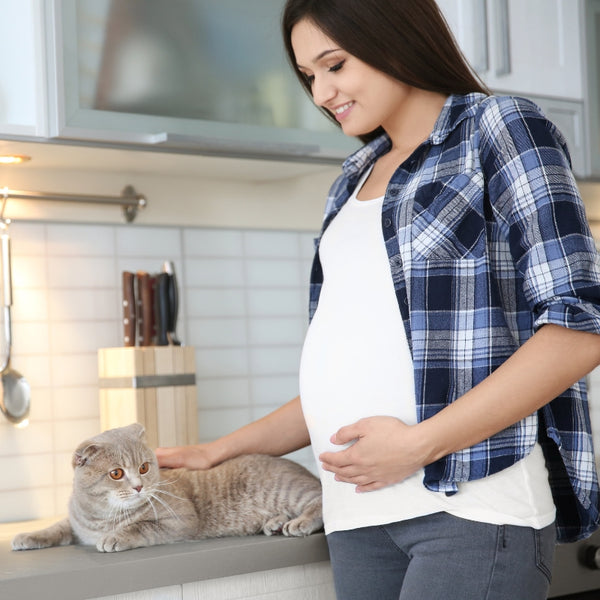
(356, 363)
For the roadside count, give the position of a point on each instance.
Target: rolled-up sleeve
(534, 194)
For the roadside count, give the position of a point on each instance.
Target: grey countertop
(79, 572)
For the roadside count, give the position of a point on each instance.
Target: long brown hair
(408, 40)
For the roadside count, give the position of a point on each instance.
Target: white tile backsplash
(217, 332)
(29, 271)
(35, 368)
(82, 304)
(207, 242)
(243, 307)
(274, 302)
(214, 272)
(34, 338)
(26, 471)
(21, 504)
(268, 389)
(69, 337)
(34, 439)
(276, 330)
(77, 402)
(157, 242)
(221, 362)
(77, 272)
(215, 302)
(273, 273)
(74, 240)
(216, 422)
(271, 243)
(224, 392)
(30, 305)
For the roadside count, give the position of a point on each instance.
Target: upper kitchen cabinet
(22, 84)
(539, 49)
(195, 75)
(528, 47)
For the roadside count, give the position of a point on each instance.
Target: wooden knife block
(151, 385)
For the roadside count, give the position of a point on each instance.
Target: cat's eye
(117, 474)
(144, 468)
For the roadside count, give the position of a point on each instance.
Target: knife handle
(162, 309)
(145, 308)
(129, 309)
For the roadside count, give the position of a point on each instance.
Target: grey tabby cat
(122, 500)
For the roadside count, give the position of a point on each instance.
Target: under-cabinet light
(13, 159)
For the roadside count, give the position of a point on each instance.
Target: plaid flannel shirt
(487, 240)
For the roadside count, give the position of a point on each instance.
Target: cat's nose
(137, 488)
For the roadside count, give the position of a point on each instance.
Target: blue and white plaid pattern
(487, 240)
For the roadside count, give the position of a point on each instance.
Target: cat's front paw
(274, 526)
(30, 541)
(113, 543)
(301, 526)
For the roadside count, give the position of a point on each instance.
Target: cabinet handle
(481, 62)
(111, 136)
(502, 42)
(240, 147)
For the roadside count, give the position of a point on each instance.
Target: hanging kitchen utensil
(15, 393)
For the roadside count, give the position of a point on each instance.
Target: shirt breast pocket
(448, 219)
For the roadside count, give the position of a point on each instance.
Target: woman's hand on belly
(385, 450)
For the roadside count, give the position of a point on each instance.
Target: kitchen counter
(79, 572)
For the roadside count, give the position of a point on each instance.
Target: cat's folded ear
(84, 452)
(137, 429)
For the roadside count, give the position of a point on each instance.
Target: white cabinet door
(200, 77)
(536, 47)
(22, 89)
(526, 47)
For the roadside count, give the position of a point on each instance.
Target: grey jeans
(442, 557)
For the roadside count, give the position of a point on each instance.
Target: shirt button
(387, 222)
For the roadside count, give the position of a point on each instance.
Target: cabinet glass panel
(187, 68)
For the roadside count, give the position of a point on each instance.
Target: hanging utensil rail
(129, 200)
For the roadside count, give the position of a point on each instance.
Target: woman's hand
(190, 457)
(385, 451)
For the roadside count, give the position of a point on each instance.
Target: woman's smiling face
(360, 97)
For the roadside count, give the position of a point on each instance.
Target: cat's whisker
(149, 501)
(167, 481)
(166, 506)
(169, 494)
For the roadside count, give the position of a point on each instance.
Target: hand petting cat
(188, 457)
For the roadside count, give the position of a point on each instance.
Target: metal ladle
(15, 393)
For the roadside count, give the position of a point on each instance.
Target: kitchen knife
(173, 293)
(146, 319)
(129, 309)
(161, 300)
